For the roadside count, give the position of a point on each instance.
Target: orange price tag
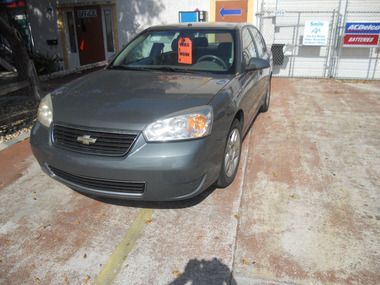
(185, 51)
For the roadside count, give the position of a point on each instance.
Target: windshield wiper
(172, 69)
(145, 68)
(126, 67)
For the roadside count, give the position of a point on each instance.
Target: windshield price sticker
(185, 51)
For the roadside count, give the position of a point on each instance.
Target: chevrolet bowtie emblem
(86, 139)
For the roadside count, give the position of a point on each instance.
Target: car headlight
(45, 111)
(188, 124)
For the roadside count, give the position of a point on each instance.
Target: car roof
(216, 25)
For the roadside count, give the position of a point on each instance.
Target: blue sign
(362, 28)
(230, 12)
(188, 17)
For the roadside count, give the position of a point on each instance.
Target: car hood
(129, 100)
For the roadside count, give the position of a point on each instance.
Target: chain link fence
(356, 62)
(284, 32)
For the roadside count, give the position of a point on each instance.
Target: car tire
(231, 155)
(265, 106)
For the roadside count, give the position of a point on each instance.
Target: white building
(87, 31)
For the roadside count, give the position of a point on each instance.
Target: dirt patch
(13, 162)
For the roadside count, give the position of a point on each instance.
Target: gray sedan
(164, 120)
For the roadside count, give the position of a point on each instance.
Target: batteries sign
(361, 34)
(362, 40)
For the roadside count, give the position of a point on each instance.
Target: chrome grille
(92, 141)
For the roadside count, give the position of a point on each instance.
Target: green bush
(45, 64)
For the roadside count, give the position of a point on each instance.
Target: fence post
(376, 60)
(369, 62)
(339, 41)
(334, 44)
(328, 60)
(295, 46)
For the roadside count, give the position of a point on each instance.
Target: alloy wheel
(232, 154)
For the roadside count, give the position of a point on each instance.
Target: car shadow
(204, 272)
(180, 204)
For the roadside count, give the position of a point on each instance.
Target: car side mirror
(256, 63)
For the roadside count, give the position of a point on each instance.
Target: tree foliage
(23, 64)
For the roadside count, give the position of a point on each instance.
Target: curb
(21, 137)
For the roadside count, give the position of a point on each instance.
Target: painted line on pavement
(120, 253)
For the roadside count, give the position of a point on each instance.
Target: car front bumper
(170, 171)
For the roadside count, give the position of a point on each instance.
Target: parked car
(165, 119)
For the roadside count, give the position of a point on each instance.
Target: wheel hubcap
(231, 158)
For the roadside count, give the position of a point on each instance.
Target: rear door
(90, 35)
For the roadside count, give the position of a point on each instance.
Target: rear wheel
(231, 159)
(265, 105)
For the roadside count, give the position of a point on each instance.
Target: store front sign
(316, 33)
(13, 3)
(87, 13)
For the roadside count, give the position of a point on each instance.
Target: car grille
(107, 143)
(101, 184)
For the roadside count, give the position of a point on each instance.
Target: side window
(248, 46)
(139, 52)
(260, 44)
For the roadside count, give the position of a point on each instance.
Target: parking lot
(304, 208)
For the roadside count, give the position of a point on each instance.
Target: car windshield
(180, 50)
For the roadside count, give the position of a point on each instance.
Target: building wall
(134, 16)
(43, 20)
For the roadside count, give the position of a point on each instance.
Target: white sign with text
(316, 33)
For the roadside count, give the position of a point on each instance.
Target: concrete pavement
(302, 210)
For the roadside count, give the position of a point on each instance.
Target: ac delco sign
(362, 28)
(361, 34)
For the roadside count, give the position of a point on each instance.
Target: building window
(71, 28)
(108, 25)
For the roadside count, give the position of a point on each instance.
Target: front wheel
(232, 153)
